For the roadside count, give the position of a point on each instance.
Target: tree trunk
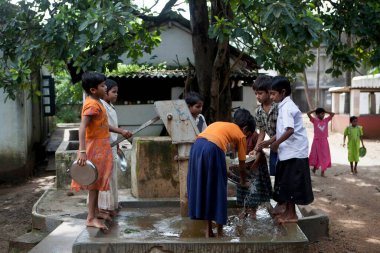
(348, 73)
(317, 102)
(211, 60)
(220, 104)
(306, 89)
(203, 49)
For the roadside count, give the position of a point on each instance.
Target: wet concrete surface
(143, 224)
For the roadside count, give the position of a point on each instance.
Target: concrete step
(61, 240)
(26, 242)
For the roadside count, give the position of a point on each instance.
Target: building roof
(182, 74)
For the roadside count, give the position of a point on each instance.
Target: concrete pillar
(154, 173)
(335, 102)
(183, 162)
(355, 102)
(341, 104)
(372, 103)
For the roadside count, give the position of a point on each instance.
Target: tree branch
(161, 18)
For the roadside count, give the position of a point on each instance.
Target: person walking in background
(266, 117)
(292, 181)
(108, 200)
(354, 134)
(94, 144)
(195, 103)
(207, 175)
(320, 150)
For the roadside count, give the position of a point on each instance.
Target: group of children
(289, 161)
(277, 116)
(207, 174)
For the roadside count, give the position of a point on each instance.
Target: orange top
(222, 133)
(98, 127)
(98, 148)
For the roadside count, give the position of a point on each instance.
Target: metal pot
(122, 160)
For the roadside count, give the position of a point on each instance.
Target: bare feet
(95, 222)
(111, 213)
(282, 220)
(251, 213)
(104, 215)
(323, 174)
(243, 215)
(278, 209)
(209, 232)
(220, 230)
(289, 216)
(313, 170)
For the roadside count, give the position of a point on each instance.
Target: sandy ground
(351, 202)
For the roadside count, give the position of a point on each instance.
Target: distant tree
(279, 34)
(353, 34)
(211, 54)
(91, 35)
(76, 35)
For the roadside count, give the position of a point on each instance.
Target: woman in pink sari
(320, 151)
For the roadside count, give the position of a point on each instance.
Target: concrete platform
(62, 238)
(158, 229)
(63, 216)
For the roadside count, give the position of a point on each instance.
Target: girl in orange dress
(94, 143)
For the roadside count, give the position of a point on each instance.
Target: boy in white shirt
(292, 181)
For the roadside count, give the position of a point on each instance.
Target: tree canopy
(353, 34)
(91, 35)
(77, 35)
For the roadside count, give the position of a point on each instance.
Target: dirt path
(16, 202)
(351, 202)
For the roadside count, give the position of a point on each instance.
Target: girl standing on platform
(108, 201)
(94, 143)
(355, 136)
(320, 151)
(207, 175)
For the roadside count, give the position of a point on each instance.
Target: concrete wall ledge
(314, 223)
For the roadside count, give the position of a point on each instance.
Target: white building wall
(16, 132)
(167, 51)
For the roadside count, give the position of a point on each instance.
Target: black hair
(91, 80)
(352, 118)
(280, 83)
(262, 83)
(110, 84)
(243, 118)
(319, 110)
(193, 98)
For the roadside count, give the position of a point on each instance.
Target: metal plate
(248, 159)
(122, 160)
(84, 175)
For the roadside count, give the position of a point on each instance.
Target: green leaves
(86, 34)
(279, 34)
(354, 35)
